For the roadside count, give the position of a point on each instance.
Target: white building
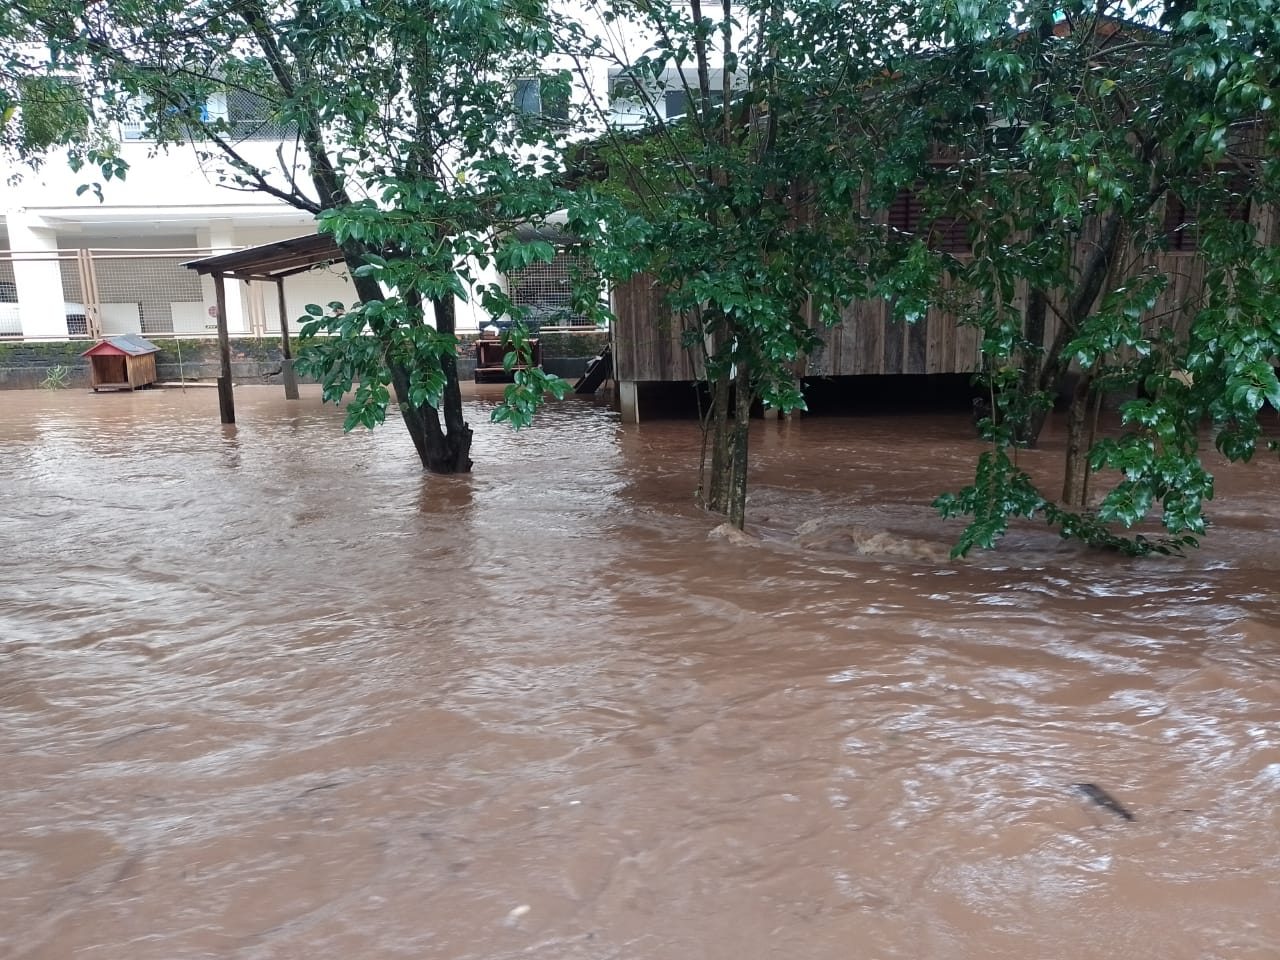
(73, 265)
(119, 261)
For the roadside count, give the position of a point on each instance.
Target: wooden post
(226, 402)
(286, 352)
(629, 401)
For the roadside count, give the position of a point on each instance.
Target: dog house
(121, 363)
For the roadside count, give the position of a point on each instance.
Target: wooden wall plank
(917, 346)
(894, 341)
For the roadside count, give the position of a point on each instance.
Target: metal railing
(107, 291)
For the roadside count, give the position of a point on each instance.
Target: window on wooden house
(944, 234)
(1180, 226)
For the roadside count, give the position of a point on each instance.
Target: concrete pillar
(34, 245)
(220, 238)
(629, 401)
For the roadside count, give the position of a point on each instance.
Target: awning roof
(271, 261)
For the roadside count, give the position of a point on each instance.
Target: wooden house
(122, 363)
(648, 340)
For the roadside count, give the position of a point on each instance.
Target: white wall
(169, 200)
(155, 189)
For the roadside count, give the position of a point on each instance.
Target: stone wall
(26, 365)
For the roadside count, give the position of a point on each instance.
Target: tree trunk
(441, 449)
(728, 424)
(1033, 326)
(737, 481)
(715, 485)
(449, 450)
(1075, 483)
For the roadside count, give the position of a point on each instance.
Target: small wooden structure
(490, 351)
(124, 362)
(272, 262)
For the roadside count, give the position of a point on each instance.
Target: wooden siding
(647, 340)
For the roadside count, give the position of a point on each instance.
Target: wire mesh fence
(73, 297)
(10, 318)
(147, 293)
(547, 290)
(103, 293)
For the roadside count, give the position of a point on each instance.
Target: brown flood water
(270, 693)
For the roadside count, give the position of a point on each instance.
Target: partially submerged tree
(1098, 144)
(737, 195)
(1072, 143)
(399, 131)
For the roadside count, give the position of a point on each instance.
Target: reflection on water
(271, 692)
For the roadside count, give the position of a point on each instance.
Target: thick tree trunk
(1075, 483)
(449, 450)
(737, 482)
(441, 448)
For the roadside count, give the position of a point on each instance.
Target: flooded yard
(270, 692)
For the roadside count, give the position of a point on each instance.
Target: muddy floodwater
(269, 692)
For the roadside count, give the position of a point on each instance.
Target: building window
(248, 116)
(533, 98)
(1180, 227)
(676, 104)
(943, 234)
(143, 128)
(251, 116)
(529, 97)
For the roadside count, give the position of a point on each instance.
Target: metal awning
(271, 261)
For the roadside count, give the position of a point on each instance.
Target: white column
(220, 238)
(34, 245)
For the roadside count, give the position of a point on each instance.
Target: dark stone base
(25, 366)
